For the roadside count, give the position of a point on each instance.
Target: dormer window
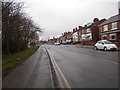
(114, 25)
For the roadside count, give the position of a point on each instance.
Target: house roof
(87, 26)
(111, 19)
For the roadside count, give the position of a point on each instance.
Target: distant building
(89, 34)
(62, 38)
(75, 37)
(69, 37)
(66, 37)
(50, 41)
(53, 41)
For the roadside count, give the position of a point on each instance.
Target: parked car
(64, 42)
(105, 45)
(57, 43)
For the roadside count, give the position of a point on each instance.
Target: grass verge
(10, 62)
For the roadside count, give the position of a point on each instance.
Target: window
(104, 37)
(88, 30)
(79, 33)
(112, 36)
(114, 25)
(82, 31)
(105, 28)
(83, 37)
(88, 36)
(99, 42)
(107, 42)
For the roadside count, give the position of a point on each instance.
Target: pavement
(35, 72)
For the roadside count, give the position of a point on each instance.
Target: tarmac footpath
(35, 72)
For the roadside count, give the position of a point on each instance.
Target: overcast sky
(58, 16)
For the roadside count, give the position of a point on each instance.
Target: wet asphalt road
(86, 68)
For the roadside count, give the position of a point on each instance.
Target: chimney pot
(95, 20)
(76, 29)
(73, 30)
(80, 27)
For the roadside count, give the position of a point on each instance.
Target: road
(86, 68)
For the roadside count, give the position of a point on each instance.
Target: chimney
(73, 30)
(119, 7)
(80, 27)
(76, 29)
(95, 20)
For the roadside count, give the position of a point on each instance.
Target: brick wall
(108, 37)
(109, 26)
(118, 24)
(117, 44)
(95, 34)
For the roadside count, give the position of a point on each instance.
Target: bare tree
(18, 29)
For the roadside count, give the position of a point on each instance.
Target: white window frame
(83, 37)
(82, 31)
(88, 30)
(90, 36)
(105, 27)
(114, 25)
(110, 35)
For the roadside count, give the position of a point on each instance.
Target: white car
(105, 45)
(57, 43)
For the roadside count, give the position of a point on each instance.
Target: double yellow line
(62, 81)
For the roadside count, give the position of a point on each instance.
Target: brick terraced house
(75, 35)
(110, 29)
(89, 34)
(66, 38)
